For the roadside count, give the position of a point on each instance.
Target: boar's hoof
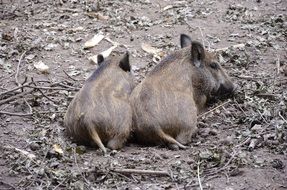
(176, 147)
(114, 144)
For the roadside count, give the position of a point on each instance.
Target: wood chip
(42, 67)
(94, 41)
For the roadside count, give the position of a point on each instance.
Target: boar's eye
(214, 65)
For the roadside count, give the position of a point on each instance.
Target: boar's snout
(226, 89)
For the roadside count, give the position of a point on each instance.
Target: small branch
(24, 152)
(282, 118)
(278, 65)
(15, 97)
(28, 114)
(18, 68)
(224, 167)
(49, 88)
(198, 177)
(67, 86)
(14, 89)
(234, 46)
(249, 77)
(70, 76)
(30, 108)
(224, 103)
(238, 106)
(266, 95)
(143, 172)
(202, 37)
(15, 114)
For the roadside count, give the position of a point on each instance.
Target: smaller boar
(166, 103)
(100, 113)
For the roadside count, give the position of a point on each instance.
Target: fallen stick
(16, 88)
(234, 46)
(28, 114)
(15, 97)
(24, 152)
(143, 172)
(214, 109)
(18, 68)
(198, 177)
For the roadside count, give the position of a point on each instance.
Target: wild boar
(166, 103)
(100, 112)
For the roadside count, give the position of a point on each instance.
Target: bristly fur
(166, 103)
(99, 70)
(100, 113)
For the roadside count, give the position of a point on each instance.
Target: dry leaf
(167, 7)
(105, 54)
(157, 53)
(94, 41)
(58, 149)
(42, 67)
(149, 49)
(102, 17)
(97, 15)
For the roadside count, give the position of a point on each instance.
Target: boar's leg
(97, 140)
(184, 137)
(167, 138)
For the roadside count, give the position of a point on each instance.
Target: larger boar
(100, 112)
(166, 103)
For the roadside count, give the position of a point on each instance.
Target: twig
(240, 108)
(15, 97)
(198, 177)
(6, 76)
(278, 64)
(18, 68)
(224, 103)
(24, 152)
(28, 114)
(223, 168)
(49, 88)
(7, 184)
(46, 96)
(202, 37)
(67, 86)
(266, 95)
(79, 170)
(246, 141)
(143, 172)
(234, 47)
(119, 174)
(249, 77)
(262, 117)
(282, 117)
(56, 187)
(30, 108)
(70, 76)
(16, 88)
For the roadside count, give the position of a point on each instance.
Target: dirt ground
(240, 145)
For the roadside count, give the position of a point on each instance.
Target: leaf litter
(240, 145)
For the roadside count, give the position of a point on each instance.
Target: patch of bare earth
(241, 144)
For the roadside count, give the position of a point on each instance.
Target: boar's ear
(197, 53)
(125, 63)
(185, 40)
(100, 59)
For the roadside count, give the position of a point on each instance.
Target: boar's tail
(170, 139)
(97, 140)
